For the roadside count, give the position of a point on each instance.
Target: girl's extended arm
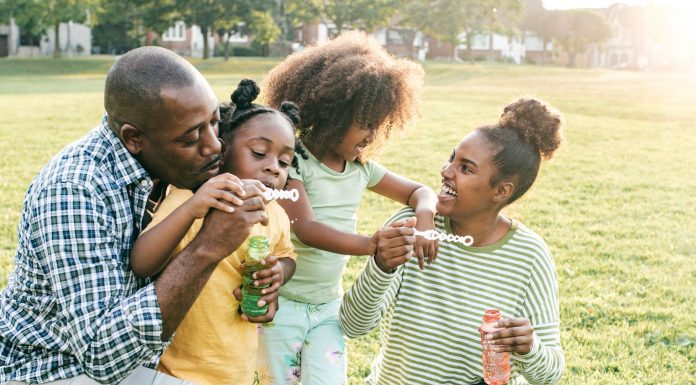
(154, 247)
(316, 234)
(422, 199)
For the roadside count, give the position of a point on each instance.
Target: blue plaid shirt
(73, 305)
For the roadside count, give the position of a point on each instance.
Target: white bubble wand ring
(291, 194)
(432, 235)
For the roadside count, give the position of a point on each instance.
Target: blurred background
(616, 204)
(634, 34)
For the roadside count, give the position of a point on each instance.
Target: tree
(349, 14)
(204, 14)
(264, 29)
(449, 19)
(56, 12)
(411, 18)
(119, 26)
(25, 16)
(581, 29)
(290, 15)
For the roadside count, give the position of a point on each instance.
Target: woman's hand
(517, 336)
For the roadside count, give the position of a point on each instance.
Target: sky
(565, 4)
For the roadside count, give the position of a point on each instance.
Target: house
(401, 42)
(74, 40)
(9, 39)
(182, 39)
(188, 40)
(517, 49)
(627, 47)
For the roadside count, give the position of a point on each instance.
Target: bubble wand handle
(291, 194)
(432, 235)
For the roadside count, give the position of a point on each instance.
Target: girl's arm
(318, 235)
(364, 305)
(422, 199)
(154, 247)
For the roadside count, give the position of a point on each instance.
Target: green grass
(616, 204)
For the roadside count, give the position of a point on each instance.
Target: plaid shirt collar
(127, 169)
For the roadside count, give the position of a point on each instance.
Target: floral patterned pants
(304, 345)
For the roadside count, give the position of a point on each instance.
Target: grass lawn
(616, 204)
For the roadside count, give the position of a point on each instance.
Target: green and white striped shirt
(429, 319)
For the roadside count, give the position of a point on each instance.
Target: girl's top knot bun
(246, 92)
(292, 111)
(536, 122)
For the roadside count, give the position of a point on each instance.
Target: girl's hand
(517, 336)
(425, 248)
(221, 192)
(272, 275)
(394, 245)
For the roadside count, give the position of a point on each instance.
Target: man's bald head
(135, 81)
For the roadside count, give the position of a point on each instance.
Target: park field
(617, 203)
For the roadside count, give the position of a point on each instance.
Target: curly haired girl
(352, 95)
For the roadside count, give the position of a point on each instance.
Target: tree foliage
(348, 14)
(119, 26)
(452, 20)
(580, 29)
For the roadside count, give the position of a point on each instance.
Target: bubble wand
(432, 235)
(291, 194)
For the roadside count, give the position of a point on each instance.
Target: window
(394, 37)
(177, 32)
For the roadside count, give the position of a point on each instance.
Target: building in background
(75, 40)
(627, 47)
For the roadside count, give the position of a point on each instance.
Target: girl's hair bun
(536, 122)
(292, 111)
(246, 92)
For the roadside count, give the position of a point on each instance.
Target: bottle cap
(491, 315)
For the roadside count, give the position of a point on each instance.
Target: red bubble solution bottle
(496, 365)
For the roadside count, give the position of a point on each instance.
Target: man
(73, 307)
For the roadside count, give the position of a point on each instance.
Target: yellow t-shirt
(213, 345)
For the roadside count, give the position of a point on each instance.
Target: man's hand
(517, 336)
(395, 244)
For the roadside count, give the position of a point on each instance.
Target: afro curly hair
(345, 82)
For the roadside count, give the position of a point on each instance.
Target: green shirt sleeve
(544, 364)
(298, 174)
(375, 172)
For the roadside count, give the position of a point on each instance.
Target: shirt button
(144, 183)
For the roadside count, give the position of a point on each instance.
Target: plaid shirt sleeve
(109, 331)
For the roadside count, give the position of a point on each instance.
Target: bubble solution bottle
(258, 250)
(496, 365)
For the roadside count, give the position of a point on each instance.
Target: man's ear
(131, 137)
(503, 191)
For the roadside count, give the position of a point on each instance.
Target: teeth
(449, 191)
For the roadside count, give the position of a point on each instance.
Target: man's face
(181, 145)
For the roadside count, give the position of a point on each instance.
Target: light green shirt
(335, 197)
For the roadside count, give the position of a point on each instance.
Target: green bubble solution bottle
(258, 250)
(496, 365)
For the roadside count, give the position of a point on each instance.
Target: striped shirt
(73, 305)
(429, 319)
